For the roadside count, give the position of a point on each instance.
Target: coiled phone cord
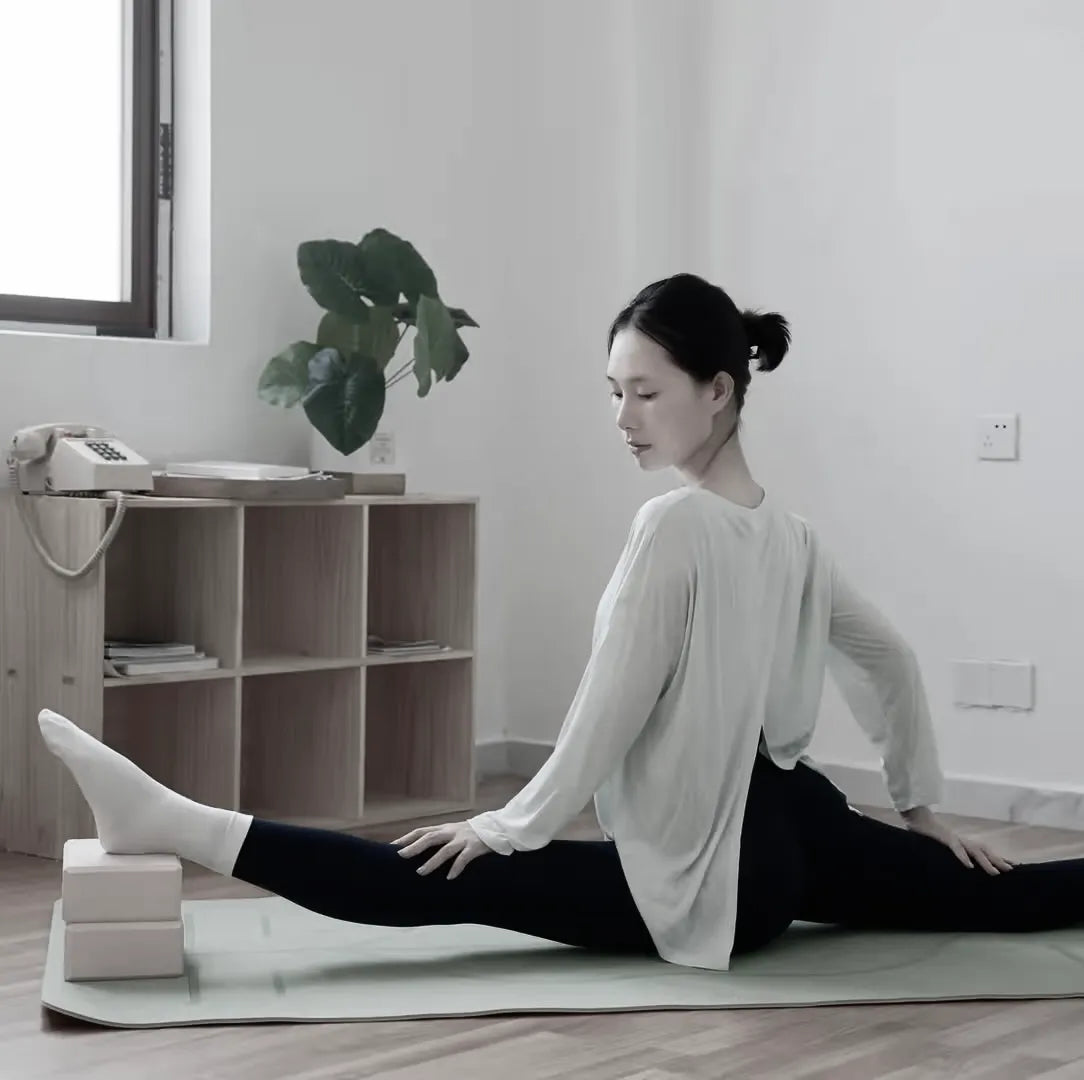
(119, 498)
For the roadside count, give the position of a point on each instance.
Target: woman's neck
(720, 466)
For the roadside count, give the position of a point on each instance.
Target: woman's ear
(722, 388)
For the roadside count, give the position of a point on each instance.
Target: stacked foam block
(121, 914)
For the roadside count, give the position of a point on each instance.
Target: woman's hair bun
(769, 334)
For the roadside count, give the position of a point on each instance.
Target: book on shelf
(148, 650)
(154, 658)
(161, 667)
(385, 647)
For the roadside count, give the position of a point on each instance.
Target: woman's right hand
(923, 820)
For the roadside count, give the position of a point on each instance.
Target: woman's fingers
(426, 840)
(466, 856)
(454, 838)
(988, 859)
(447, 852)
(412, 835)
(996, 861)
(961, 853)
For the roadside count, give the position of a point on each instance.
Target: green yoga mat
(266, 959)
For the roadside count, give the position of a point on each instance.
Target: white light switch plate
(994, 684)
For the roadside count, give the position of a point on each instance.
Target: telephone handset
(70, 459)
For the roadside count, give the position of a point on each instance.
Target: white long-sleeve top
(712, 639)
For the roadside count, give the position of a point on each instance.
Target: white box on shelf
(236, 470)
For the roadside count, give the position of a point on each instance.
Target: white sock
(136, 815)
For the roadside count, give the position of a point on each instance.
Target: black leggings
(805, 854)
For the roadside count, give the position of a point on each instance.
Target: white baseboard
(512, 758)
(967, 796)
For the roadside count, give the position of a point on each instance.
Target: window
(85, 192)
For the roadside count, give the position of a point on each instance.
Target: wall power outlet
(999, 437)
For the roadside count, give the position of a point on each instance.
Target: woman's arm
(878, 674)
(639, 637)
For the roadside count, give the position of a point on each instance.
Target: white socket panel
(998, 437)
(382, 448)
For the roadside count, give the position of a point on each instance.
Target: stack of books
(386, 647)
(155, 658)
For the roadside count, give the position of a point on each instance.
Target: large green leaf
(285, 379)
(384, 336)
(423, 369)
(408, 313)
(346, 335)
(334, 275)
(346, 398)
(399, 264)
(375, 335)
(462, 354)
(434, 343)
(460, 317)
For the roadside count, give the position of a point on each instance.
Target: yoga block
(97, 887)
(132, 950)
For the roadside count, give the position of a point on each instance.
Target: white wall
(899, 180)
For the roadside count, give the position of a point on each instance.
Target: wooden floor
(965, 1041)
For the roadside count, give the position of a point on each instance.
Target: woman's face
(659, 407)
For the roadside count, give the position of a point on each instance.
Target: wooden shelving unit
(299, 723)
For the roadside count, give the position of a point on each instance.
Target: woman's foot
(135, 814)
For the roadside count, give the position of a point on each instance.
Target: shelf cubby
(184, 734)
(301, 745)
(419, 742)
(422, 573)
(304, 580)
(175, 575)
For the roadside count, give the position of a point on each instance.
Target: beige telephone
(71, 459)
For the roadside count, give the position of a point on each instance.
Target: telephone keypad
(107, 451)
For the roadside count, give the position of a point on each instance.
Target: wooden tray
(319, 486)
(372, 483)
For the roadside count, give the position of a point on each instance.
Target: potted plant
(372, 292)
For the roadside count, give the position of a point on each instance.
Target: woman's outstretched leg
(869, 874)
(572, 892)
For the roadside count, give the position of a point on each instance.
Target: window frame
(146, 314)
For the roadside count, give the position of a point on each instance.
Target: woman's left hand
(456, 839)
(923, 820)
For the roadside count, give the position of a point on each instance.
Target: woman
(688, 728)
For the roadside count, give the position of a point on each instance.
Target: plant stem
(401, 374)
(395, 378)
(392, 378)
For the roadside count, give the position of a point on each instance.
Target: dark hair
(704, 332)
